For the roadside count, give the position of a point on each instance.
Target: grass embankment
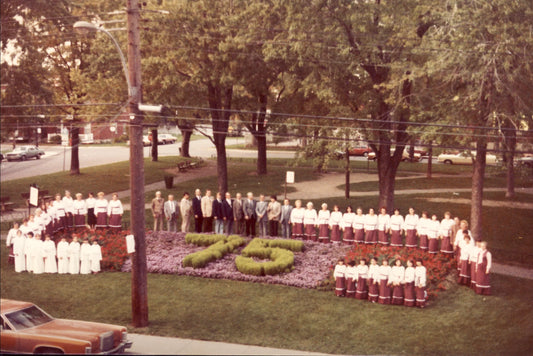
(458, 322)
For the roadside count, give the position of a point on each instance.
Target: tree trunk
(186, 134)
(261, 154)
(430, 160)
(75, 156)
(347, 174)
(510, 146)
(477, 189)
(222, 163)
(154, 145)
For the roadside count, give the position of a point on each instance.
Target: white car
(166, 139)
(405, 155)
(465, 157)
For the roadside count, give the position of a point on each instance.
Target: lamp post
(132, 71)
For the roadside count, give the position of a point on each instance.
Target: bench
(182, 166)
(6, 205)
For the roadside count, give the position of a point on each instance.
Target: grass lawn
(457, 322)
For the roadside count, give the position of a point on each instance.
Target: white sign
(34, 196)
(290, 177)
(130, 243)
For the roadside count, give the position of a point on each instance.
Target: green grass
(458, 322)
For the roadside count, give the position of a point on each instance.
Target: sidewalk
(159, 345)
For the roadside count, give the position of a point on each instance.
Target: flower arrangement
(220, 245)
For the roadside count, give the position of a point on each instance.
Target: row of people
(383, 284)
(475, 263)
(30, 253)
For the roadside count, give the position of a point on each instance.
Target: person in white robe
(49, 252)
(62, 256)
(37, 255)
(9, 242)
(74, 256)
(18, 251)
(96, 257)
(69, 209)
(85, 257)
(27, 250)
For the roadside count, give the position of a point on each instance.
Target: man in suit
(171, 213)
(238, 215)
(197, 210)
(273, 212)
(248, 208)
(157, 211)
(285, 219)
(227, 210)
(218, 214)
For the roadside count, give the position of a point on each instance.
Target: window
(28, 318)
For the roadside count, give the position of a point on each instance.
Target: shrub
(278, 251)
(219, 246)
(56, 139)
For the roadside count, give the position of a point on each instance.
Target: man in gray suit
(248, 208)
(285, 219)
(171, 213)
(238, 214)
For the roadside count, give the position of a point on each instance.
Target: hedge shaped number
(279, 252)
(219, 246)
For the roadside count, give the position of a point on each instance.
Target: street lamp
(132, 71)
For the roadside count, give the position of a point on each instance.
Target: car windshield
(19, 149)
(28, 318)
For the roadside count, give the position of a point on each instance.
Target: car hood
(82, 330)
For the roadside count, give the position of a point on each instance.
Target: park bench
(6, 204)
(182, 166)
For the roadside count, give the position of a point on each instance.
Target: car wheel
(23, 158)
(365, 154)
(38, 157)
(48, 350)
(448, 161)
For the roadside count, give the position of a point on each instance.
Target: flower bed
(279, 252)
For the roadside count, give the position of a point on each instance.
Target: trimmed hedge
(220, 245)
(278, 251)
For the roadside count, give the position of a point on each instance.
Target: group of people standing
(28, 252)
(398, 285)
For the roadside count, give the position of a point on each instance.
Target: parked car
(166, 139)
(146, 141)
(405, 156)
(465, 157)
(24, 152)
(26, 328)
(525, 161)
(1, 157)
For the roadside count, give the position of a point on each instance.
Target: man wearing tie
(227, 210)
(197, 210)
(171, 213)
(238, 215)
(285, 219)
(248, 208)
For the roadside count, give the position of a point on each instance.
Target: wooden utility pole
(139, 281)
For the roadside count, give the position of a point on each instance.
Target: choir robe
(340, 281)
(37, 256)
(351, 279)
(409, 287)
(383, 228)
(62, 257)
(420, 286)
(50, 263)
(472, 261)
(115, 211)
(410, 224)
(334, 224)
(27, 253)
(52, 225)
(433, 236)
(61, 217)
(310, 219)
(384, 289)
(457, 244)
(371, 224)
(100, 210)
(47, 221)
(85, 258)
(396, 279)
(359, 228)
(362, 287)
(297, 221)
(96, 257)
(18, 251)
(445, 231)
(323, 225)
(74, 257)
(396, 224)
(91, 217)
(373, 280)
(484, 263)
(347, 228)
(422, 229)
(80, 210)
(464, 267)
(69, 211)
(9, 243)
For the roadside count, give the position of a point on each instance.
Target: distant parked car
(1, 157)
(525, 161)
(165, 139)
(24, 152)
(405, 156)
(27, 329)
(465, 157)
(146, 141)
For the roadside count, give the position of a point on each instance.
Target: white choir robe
(18, 250)
(74, 258)
(27, 253)
(37, 256)
(62, 257)
(85, 257)
(96, 257)
(50, 264)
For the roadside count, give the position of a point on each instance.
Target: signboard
(34, 196)
(130, 243)
(290, 177)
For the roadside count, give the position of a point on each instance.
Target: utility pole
(139, 281)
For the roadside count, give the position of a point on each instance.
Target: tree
(485, 68)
